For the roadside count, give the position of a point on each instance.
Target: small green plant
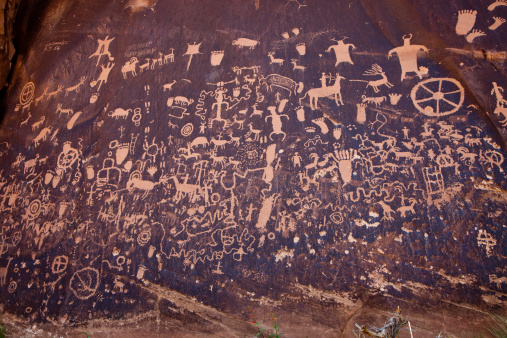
(261, 329)
(2, 330)
(499, 328)
(85, 333)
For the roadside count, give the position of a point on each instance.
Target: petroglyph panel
(141, 150)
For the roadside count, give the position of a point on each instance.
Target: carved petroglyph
(466, 21)
(407, 55)
(186, 169)
(103, 49)
(498, 22)
(315, 93)
(438, 97)
(375, 84)
(341, 51)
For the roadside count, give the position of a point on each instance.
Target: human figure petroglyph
(200, 170)
(315, 93)
(405, 132)
(102, 49)
(407, 55)
(341, 51)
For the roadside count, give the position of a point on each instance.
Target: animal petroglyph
(375, 84)
(244, 42)
(129, 67)
(315, 93)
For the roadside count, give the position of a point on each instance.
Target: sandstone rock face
(167, 165)
(8, 11)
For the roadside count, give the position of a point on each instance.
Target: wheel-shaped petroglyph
(438, 97)
(59, 264)
(27, 94)
(84, 282)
